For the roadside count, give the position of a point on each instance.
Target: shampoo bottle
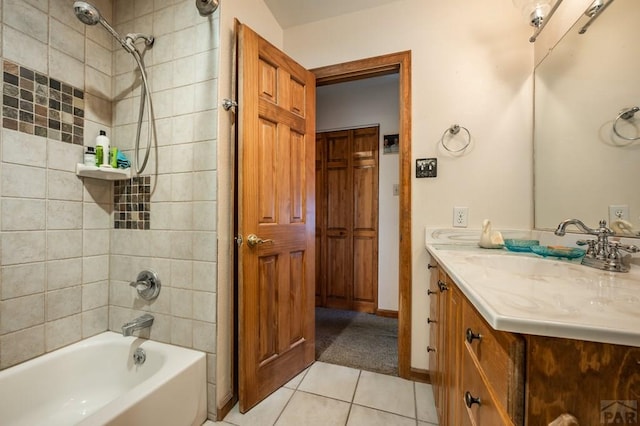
(103, 141)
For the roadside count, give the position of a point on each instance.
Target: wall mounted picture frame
(391, 144)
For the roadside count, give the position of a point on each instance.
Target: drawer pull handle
(430, 292)
(430, 321)
(471, 335)
(469, 400)
(430, 349)
(432, 266)
(442, 286)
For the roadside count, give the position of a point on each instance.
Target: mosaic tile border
(132, 203)
(36, 104)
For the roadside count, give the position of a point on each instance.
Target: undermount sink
(525, 265)
(527, 268)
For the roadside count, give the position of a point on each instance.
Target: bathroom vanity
(519, 339)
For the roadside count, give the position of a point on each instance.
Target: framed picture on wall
(391, 144)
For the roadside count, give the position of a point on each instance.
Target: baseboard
(420, 375)
(226, 407)
(386, 313)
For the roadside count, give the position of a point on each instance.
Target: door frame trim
(394, 63)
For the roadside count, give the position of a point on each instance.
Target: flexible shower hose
(145, 97)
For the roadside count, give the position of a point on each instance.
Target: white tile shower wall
(64, 270)
(54, 226)
(52, 294)
(181, 242)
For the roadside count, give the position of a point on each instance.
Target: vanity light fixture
(537, 13)
(593, 12)
(534, 11)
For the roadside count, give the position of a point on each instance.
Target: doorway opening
(400, 64)
(357, 224)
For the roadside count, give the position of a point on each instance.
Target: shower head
(207, 7)
(90, 15)
(87, 13)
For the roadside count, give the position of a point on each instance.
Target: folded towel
(123, 161)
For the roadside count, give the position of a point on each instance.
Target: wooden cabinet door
(454, 350)
(347, 218)
(433, 349)
(442, 339)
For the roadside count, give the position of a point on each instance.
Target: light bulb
(534, 11)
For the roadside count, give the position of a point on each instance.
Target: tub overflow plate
(139, 356)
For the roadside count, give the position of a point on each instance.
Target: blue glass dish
(561, 252)
(520, 245)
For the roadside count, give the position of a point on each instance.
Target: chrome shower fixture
(90, 15)
(207, 7)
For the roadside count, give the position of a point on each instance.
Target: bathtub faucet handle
(147, 285)
(141, 285)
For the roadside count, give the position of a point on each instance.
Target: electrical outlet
(618, 211)
(460, 217)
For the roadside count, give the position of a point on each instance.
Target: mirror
(581, 166)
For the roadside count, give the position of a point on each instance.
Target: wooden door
(347, 235)
(276, 155)
(338, 205)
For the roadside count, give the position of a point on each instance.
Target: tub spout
(139, 323)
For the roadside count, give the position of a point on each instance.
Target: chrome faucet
(139, 323)
(601, 253)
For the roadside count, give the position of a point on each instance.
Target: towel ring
(454, 130)
(625, 114)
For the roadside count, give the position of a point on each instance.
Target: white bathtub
(95, 382)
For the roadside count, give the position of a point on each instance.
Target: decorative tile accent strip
(38, 105)
(132, 203)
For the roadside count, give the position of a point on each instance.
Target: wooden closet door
(347, 219)
(339, 229)
(364, 174)
(321, 274)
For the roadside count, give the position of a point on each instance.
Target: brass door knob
(253, 240)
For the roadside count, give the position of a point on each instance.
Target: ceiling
(290, 13)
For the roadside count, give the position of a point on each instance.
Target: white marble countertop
(525, 293)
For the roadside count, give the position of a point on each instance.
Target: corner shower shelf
(103, 173)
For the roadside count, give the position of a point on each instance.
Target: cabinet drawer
(500, 355)
(486, 411)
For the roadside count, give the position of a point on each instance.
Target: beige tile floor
(327, 394)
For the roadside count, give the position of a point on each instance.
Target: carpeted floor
(358, 340)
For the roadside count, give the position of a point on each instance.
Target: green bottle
(99, 155)
(113, 156)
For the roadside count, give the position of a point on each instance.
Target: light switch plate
(426, 167)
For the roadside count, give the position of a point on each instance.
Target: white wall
(471, 65)
(357, 104)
